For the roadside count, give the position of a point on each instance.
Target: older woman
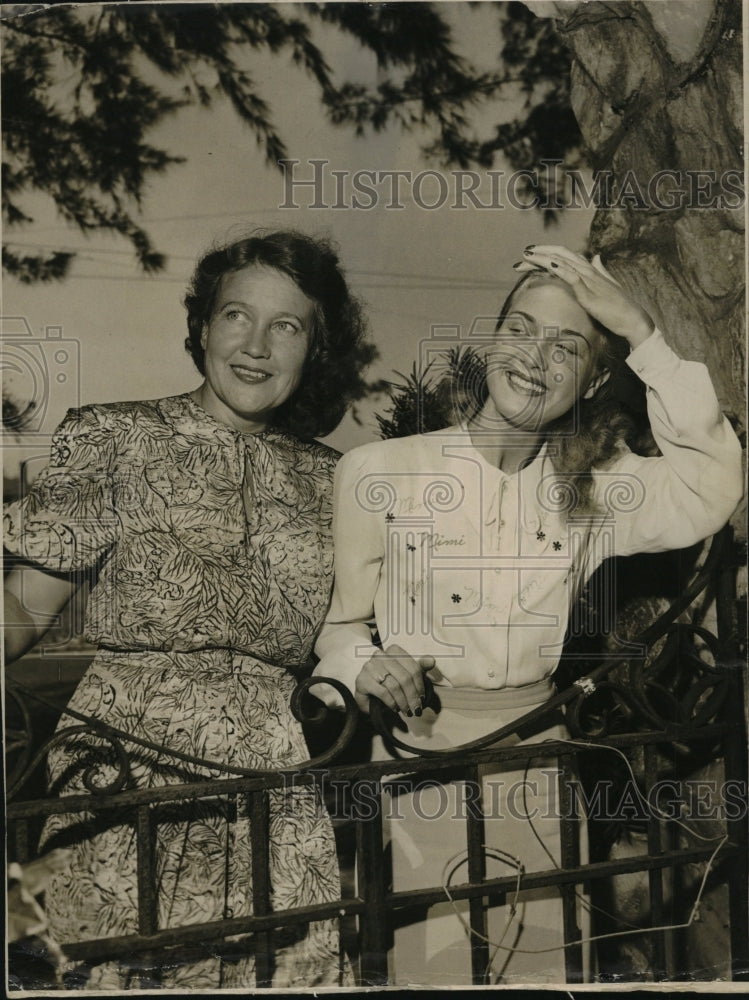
(207, 517)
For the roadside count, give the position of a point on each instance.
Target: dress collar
(190, 419)
(531, 470)
(533, 483)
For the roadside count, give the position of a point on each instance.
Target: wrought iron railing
(687, 701)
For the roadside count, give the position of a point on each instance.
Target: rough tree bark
(657, 85)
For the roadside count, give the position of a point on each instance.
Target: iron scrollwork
(21, 740)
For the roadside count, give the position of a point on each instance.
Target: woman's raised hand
(597, 292)
(396, 678)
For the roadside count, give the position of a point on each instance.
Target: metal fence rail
(706, 711)
(375, 904)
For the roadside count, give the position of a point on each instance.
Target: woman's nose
(536, 354)
(257, 343)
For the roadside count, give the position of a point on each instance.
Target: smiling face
(545, 358)
(256, 344)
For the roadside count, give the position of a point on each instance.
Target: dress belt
(471, 698)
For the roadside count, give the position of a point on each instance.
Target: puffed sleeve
(345, 641)
(689, 492)
(66, 519)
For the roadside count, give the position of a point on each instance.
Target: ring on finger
(381, 680)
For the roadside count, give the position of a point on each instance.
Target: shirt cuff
(653, 358)
(342, 664)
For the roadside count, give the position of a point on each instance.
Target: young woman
(467, 546)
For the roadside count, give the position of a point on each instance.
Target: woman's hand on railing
(396, 678)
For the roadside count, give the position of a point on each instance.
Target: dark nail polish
(553, 263)
(517, 265)
(409, 713)
(417, 712)
(423, 701)
(530, 248)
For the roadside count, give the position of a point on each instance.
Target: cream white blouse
(450, 557)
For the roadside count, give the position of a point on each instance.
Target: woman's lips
(250, 376)
(525, 384)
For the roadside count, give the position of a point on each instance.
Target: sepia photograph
(374, 535)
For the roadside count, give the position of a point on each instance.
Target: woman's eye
(567, 348)
(285, 326)
(234, 314)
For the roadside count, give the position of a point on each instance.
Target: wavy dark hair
(590, 434)
(338, 351)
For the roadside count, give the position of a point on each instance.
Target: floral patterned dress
(213, 563)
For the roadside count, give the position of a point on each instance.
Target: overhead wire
(438, 279)
(179, 218)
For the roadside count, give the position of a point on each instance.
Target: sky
(121, 332)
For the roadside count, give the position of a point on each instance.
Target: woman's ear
(600, 379)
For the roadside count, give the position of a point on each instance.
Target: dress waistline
(488, 699)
